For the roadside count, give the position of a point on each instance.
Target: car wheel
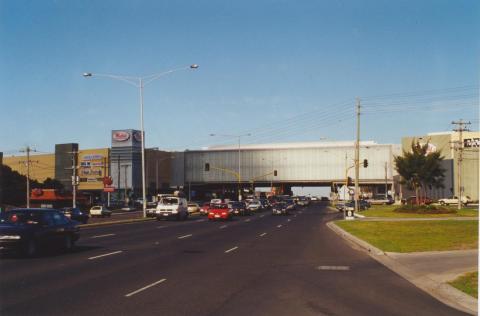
(30, 248)
(67, 243)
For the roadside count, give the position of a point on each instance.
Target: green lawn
(467, 283)
(387, 211)
(412, 236)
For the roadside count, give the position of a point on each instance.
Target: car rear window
(169, 201)
(20, 217)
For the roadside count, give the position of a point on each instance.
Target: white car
(254, 205)
(172, 207)
(454, 200)
(100, 211)
(193, 207)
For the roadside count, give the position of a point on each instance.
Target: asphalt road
(256, 265)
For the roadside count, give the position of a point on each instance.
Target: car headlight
(10, 237)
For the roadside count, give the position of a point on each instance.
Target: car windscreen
(169, 201)
(20, 217)
(220, 206)
(236, 204)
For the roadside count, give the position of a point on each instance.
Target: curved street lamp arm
(131, 80)
(148, 79)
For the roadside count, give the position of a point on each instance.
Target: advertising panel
(126, 138)
(92, 168)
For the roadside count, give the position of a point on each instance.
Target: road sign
(109, 189)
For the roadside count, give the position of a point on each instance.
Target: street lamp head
(87, 74)
(194, 66)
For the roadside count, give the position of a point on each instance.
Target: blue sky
(281, 70)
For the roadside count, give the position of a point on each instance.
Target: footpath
(429, 271)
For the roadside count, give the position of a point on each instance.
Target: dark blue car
(28, 230)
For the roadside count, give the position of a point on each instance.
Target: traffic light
(275, 173)
(365, 163)
(207, 166)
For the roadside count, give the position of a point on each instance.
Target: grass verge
(388, 211)
(413, 236)
(467, 283)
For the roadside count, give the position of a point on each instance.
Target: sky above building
(280, 70)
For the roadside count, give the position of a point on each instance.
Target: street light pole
(140, 83)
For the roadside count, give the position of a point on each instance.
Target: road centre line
(185, 236)
(106, 254)
(145, 287)
(232, 249)
(100, 236)
(334, 268)
(263, 234)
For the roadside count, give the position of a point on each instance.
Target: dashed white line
(159, 227)
(288, 220)
(185, 236)
(279, 226)
(231, 249)
(224, 226)
(262, 215)
(145, 287)
(247, 220)
(106, 254)
(263, 234)
(334, 268)
(200, 220)
(100, 236)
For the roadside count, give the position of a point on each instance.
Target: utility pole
(28, 150)
(386, 176)
(461, 127)
(74, 178)
(357, 156)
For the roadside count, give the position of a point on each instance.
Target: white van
(172, 207)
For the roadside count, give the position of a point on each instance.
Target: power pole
(357, 156)
(461, 127)
(28, 150)
(74, 178)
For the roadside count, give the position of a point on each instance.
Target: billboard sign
(126, 138)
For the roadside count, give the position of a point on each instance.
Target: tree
(420, 168)
(15, 186)
(50, 183)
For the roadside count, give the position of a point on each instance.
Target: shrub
(424, 209)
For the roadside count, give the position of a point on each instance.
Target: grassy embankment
(467, 283)
(389, 211)
(412, 236)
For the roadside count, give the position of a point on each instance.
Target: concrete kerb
(441, 291)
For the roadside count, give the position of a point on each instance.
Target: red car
(204, 209)
(219, 211)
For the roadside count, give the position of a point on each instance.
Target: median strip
(145, 287)
(185, 236)
(230, 250)
(104, 255)
(101, 236)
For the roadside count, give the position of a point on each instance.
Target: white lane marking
(106, 254)
(334, 268)
(232, 249)
(279, 226)
(185, 236)
(247, 220)
(100, 236)
(161, 227)
(200, 220)
(156, 243)
(261, 235)
(294, 215)
(262, 215)
(224, 226)
(145, 287)
(288, 220)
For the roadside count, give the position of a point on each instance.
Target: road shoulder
(433, 286)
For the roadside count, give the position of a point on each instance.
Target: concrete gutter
(433, 286)
(123, 221)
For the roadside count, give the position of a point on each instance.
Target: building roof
(294, 145)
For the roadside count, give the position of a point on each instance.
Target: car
(280, 208)
(27, 230)
(100, 211)
(290, 204)
(412, 200)
(172, 207)
(314, 198)
(381, 200)
(204, 209)
(74, 213)
(219, 211)
(303, 201)
(151, 212)
(324, 199)
(265, 204)
(254, 205)
(239, 208)
(454, 200)
(193, 207)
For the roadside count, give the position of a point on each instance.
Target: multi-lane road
(256, 265)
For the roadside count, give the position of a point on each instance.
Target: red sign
(109, 189)
(107, 181)
(121, 136)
